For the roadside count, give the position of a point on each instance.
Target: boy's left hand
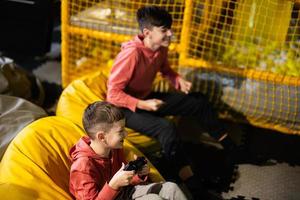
(184, 85)
(144, 171)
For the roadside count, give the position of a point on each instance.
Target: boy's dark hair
(150, 16)
(100, 115)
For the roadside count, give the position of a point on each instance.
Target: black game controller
(136, 165)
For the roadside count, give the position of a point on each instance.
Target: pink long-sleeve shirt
(134, 71)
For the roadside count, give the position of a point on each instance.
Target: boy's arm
(177, 81)
(168, 72)
(119, 77)
(84, 187)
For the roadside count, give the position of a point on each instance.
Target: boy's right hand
(150, 104)
(121, 178)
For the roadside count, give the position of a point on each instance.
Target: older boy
(129, 87)
(97, 170)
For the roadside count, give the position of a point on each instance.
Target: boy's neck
(149, 44)
(100, 149)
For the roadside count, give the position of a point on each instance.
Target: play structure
(243, 54)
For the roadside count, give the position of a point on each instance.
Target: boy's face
(160, 36)
(115, 136)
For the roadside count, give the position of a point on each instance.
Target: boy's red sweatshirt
(133, 73)
(90, 173)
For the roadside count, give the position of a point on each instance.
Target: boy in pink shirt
(130, 83)
(97, 170)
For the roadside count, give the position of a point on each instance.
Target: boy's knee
(172, 191)
(170, 186)
(167, 125)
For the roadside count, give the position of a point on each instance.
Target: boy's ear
(100, 135)
(146, 31)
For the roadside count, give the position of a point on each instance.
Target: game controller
(136, 165)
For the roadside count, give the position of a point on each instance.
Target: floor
(277, 177)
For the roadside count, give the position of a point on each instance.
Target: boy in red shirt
(97, 170)
(130, 83)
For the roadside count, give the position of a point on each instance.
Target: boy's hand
(144, 171)
(184, 85)
(150, 104)
(121, 178)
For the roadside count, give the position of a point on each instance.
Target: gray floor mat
(277, 182)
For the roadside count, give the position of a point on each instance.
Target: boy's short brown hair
(150, 16)
(100, 116)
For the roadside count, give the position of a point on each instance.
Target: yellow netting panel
(243, 54)
(93, 30)
(250, 34)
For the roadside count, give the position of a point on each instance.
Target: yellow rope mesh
(243, 54)
(93, 31)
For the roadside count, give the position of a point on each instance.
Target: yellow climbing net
(243, 54)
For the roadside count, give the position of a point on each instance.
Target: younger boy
(97, 170)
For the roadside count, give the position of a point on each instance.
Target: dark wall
(26, 26)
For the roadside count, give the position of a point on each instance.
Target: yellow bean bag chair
(36, 164)
(82, 92)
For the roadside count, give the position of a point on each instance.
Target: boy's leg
(167, 190)
(161, 129)
(186, 105)
(148, 191)
(199, 107)
(150, 124)
(149, 197)
(171, 191)
(153, 123)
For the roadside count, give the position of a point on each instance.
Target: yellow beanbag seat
(82, 92)
(36, 163)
